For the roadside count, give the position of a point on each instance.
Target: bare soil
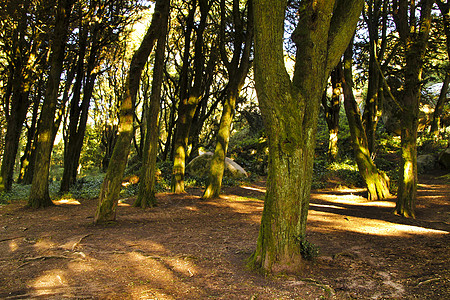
(189, 248)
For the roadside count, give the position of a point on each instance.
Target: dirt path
(187, 248)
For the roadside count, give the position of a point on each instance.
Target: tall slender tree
(23, 48)
(190, 93)
(39, 196)
(237, 70)
(414, 36)
(146, 196)
(290, 109)
(109, 194)
(376, 181)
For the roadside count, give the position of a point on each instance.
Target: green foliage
(17, 192)
(91, 156)
(250, 151)
(308, 250)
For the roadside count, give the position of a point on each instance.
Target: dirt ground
(189, 248)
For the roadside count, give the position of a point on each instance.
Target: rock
(199, 167)
(425, 162)
(444, 158)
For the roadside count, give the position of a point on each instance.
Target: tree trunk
(189, 99)
(31, 134)
(438, 109)
(39, 196)
(332, 113)
(290, 111)
(17, 89)
(376, 181)
(218, 160)
(19, 109)
(237, 71)
(109, 194)
(146, 196)
(415, 48)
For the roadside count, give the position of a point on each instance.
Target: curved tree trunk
(290, 110)
(218, 160)
(109, 194)
(146, 196)
(39, 196)
(376, 181)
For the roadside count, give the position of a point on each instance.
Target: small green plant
(308, 250)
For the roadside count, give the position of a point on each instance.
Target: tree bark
(376, 181)
(237, 70)
(146, 197)
(415, 48)
(332, 113)
(39, 196)
(189, 97)
(290, 111)
(109, 194)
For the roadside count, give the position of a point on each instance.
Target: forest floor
(189, 248)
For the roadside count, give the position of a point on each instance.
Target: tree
(376, 181)
(290, 111)
(190, 93)
(96, 35)
(146, 196)
(21, 43)
(444, 7)
(332, 107)
(39, 196)
(414, 36)
(109, 194)
(237, 70)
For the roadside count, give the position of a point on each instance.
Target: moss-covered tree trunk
(376, 181)
(39, 196)
(290, 111)
(415, 40)
(237, 70)
(189, 96)
(146, 196)
(109, 194)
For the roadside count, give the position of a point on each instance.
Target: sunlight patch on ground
(48, 282)
(13, 246)
(68, 201)
(262, 190)
(367, 226)
(77, 266)
(43, 244)
(355, 200)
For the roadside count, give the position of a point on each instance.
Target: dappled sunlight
(67, 201)
(160, 272)
(354, 200)
(251, 188)
(48, 282)
(13, 246)
(324, 221)
(79, 267)
(43, 244)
